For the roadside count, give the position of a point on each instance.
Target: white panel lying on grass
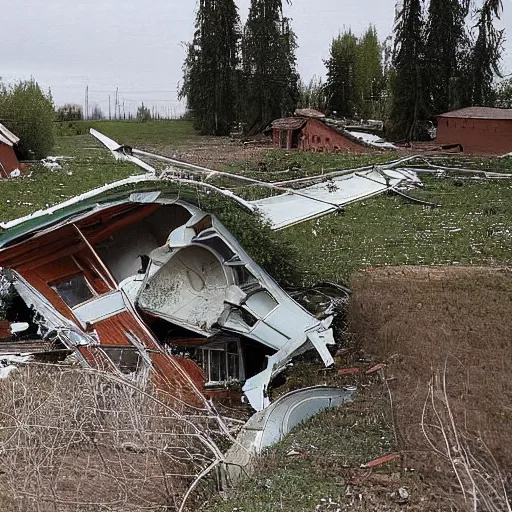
(327, 197)
(373, 140)
(268, 427)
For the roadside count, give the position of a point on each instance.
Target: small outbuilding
(309, 131)
(8, 159)
(479, 130)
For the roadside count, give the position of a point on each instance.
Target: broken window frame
(55, 284)
(204, 360)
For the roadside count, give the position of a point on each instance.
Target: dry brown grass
(75, 440)
(446, 334)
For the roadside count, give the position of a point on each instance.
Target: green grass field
(169, 133)
(472, 227)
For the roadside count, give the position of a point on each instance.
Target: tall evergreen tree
(485, 62)
(211, 67)
(270, 75)
(446, 35)
(341, 86)
(409, 104)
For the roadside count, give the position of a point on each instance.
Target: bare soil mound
(446, 334)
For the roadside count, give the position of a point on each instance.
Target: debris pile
(145, 283)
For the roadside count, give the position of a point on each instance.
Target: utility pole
(109, 113)
(86, 113)
(117, 103)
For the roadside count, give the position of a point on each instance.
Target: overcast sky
(137, 46)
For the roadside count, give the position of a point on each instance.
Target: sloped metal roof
(481, 113)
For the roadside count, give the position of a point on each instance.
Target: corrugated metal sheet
(481, 113)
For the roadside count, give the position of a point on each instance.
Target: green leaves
(211, 69)
(28, 112)
(355, 77)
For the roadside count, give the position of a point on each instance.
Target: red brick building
(313, 134)
(8, 160)
(480, 130)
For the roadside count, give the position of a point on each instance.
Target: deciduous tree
(355, 74)
(30, 113)
(369, 74)
(312, 94)
(341, 74)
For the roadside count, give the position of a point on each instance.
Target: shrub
(75, 440)
(27, 111)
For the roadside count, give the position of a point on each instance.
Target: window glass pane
(74, 291)
(221, 360)
(127, 359)
(262, 303)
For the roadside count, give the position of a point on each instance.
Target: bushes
(28, 112)
(75, 440)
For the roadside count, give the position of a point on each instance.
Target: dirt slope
(453, 325)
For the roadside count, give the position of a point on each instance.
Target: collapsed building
(144, 281)
(135, 278)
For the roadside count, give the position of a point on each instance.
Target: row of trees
(234, 73)
(445, 56)
(440, 62)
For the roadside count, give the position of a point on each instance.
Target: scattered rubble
(52, 162)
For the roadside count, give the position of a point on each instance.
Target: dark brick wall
(477, 136)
